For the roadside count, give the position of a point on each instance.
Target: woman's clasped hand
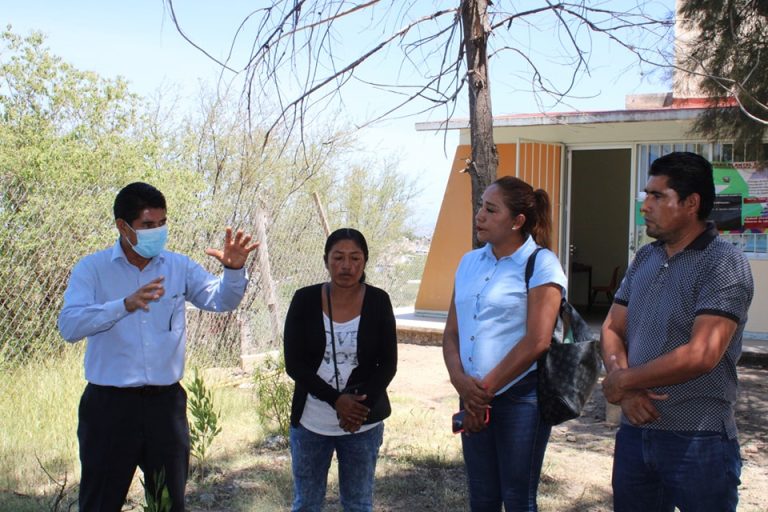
(351, 411)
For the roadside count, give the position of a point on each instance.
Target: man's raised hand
(236, 250)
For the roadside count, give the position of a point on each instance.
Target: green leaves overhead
(729, 53)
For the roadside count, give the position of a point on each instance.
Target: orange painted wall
(451, 239)
(539, 166)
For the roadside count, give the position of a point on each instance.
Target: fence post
(321, 213)
(247, 348)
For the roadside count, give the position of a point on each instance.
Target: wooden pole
(269, 291)
(267, 283)
(321, 213)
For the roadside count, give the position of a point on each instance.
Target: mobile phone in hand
(457, 420)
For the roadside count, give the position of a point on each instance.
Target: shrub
(273, 391)
(204, 426)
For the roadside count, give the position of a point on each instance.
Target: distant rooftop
(638, 108)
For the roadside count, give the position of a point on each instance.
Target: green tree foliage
(728, 52)
(69, 140)
(364, 190)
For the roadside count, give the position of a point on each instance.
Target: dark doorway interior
(599, 230)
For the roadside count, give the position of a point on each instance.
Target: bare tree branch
(303, 53)
(190, 41)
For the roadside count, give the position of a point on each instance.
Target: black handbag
(568, 370)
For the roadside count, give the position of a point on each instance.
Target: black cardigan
(304, 345)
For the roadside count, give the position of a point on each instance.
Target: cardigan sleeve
(298, 341)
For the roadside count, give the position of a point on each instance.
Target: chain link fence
(46, 227)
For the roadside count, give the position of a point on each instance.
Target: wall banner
(741, 202)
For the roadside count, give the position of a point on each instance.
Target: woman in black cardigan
(341, 370)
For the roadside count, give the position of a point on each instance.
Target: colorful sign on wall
(741, 203)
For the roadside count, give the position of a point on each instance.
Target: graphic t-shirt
(318, 416)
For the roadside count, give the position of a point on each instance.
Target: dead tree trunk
(484, 160)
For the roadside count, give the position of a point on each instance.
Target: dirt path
(421, 374)
(584, 447)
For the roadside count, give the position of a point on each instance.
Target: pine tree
(729, 52)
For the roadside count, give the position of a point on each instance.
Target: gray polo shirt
(663, 296)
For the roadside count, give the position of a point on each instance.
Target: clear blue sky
(137, 40)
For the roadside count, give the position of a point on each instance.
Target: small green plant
(158, 499)
(273, 392)
(204, 426)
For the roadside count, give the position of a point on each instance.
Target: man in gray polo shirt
(670, 344)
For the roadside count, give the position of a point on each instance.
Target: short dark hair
(688, 173)
(346, 234)
(134, 198)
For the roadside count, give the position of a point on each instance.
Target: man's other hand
(141, 298)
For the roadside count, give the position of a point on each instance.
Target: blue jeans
(311, 457)
(658, 470)
(503, 461)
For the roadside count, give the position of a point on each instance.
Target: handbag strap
(529, 267)
(564, 319)
(528, 274)
(333, 337)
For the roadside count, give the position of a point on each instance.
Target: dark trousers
(122, 428)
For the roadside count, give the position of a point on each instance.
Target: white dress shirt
(143, 347)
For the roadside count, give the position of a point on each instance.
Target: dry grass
(38, 422)
(420, 466)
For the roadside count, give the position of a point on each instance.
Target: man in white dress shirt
(129, 302)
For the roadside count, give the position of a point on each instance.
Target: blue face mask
(149, 242)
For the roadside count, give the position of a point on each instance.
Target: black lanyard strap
(333, 337)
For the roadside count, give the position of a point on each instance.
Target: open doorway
(599, 227)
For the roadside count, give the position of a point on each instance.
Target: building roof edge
(677, 113)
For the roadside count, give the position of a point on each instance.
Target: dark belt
(138, 390)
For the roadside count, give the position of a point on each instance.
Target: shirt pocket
(168, 313)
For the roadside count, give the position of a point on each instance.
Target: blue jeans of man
(504, 461)
(658, 470)
(311, 456)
